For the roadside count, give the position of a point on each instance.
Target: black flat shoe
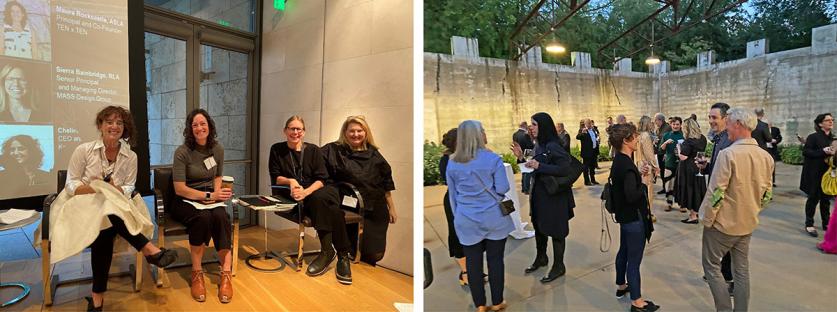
(621, 293)
(595, 183)
(321, 263)
(812, 232)
(343, 270)
(163, 258)
(649, 307)
(553, 275)
(695, 221)
(90, 306)
(661, 192)
(539, 262)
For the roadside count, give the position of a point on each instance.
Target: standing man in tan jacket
(738, 190)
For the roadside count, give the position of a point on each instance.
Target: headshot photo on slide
(26, 159)
(26, 31)
(21, 99)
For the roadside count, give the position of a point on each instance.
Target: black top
(443, 166)
(522, 138)
(306, 167)
(367, 170)
(565, 140)
(629, 194)
(762, 134)
(814, 166)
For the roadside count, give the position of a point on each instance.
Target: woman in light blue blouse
(477, 183)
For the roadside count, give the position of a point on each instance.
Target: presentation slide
(60, 63)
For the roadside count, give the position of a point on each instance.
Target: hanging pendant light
(652, 59)
(555, 47)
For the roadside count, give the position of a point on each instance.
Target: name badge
(209, 162)
(349, 201)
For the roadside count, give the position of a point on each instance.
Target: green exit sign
(279, 5)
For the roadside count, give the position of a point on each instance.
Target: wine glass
(528, 154)
(701, 159)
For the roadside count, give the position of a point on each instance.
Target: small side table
(264, 208)
(24, 288)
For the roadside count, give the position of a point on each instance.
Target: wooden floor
(373, 289)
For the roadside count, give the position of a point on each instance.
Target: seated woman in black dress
(300, 166)
(197, 170)
(354, 158)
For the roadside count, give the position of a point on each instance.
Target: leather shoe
(695, 221)
(163, 258)
(225, 290)
(198, 288)
(91, 307)
(499, 307)
(343, 270)
(812, 231)
(539, 262)
(553, 275)
(321, 263)
(649, 307)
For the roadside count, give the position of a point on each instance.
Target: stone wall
(326, 60)
(793, 87)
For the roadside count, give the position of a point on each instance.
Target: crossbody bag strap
(485, 188)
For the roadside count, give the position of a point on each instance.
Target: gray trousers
(715, 245)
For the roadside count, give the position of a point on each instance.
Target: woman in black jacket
(551, 213)
(816, 150)
(630, 204)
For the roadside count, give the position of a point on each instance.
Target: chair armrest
(160, 207)
(348, 186)
(234, 203)
(45, 216)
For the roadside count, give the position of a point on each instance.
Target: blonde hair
(691, 129)
(295, 117)
(469, 140)
(645, 124)
(29, 98)
(360, 120)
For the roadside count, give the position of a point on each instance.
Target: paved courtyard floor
(787, 272)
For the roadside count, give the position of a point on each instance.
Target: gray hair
(660, 116)
(742, 116)
(469, 140)
(759, 112)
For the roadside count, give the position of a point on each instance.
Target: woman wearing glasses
(300, 167)
(355, 158)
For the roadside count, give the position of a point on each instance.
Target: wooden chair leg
(46, 272)
(300, 245)
(138, 272)
(160, 273)
(235, 246)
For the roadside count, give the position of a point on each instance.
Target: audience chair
(50, 281)
(164, 196)
(353, 215)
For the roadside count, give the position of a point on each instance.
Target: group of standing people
(307, 170)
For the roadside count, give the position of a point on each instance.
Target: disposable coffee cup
(227, 182)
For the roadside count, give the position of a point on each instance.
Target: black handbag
(555, 184)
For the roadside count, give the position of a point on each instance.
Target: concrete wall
(326, 60)
(793, 87)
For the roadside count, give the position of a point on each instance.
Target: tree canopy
(786, 24)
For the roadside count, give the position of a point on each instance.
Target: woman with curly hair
(21, 156)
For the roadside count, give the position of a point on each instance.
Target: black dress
(370, 173)
(454, 246)
(690, 188)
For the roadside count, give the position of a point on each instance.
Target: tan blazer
(740, 187)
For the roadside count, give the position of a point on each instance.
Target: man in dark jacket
(589, 151)
(522, 138)
(762, 132)
(662, 128)
(773, 146)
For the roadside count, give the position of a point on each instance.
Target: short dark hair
(618, 133)
(677, 119)
(449, 141)
(128, 130)
(33, 160)
(819, 120)
(7, 13)
(723, 107)
(189, 136)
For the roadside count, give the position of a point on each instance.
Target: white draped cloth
(75, 221)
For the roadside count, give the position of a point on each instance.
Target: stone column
(757, 48)
(580, 59)
(623, 65)
(465, 47)
(661, 68)
(824, 39)
(705, 59)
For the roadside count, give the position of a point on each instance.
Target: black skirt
(689, 188)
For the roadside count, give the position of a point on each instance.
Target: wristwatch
(208, 195)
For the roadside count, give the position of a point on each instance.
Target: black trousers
(661, 163)
(589, 171)
(101, 251)
(493, 250)
(454, 247)
(559, 244)
(726, 267)
(323, 208)
(811, 206)
(203, 225)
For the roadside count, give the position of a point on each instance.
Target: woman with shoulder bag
(630, 204)
(551, 212)
(477, 183)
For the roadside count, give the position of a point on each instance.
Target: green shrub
(791, 154)
(432, 155)
(576, 152)
(604, 153)
(509, 158)
(710, 147)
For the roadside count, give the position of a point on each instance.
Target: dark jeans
(661, 163)
(527, 181)
(493, 250)
(589, 170)
(811, 207)
(631, 248)
(101, 251)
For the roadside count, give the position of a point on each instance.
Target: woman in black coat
(550, 213)
(354, 158)
(816, 150)
(630, 205)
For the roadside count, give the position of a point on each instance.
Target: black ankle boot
(90, 306)
(343, 270)
(163, 258)
(323, 261)
(540, 261)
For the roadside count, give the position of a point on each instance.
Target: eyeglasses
(295, 129)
